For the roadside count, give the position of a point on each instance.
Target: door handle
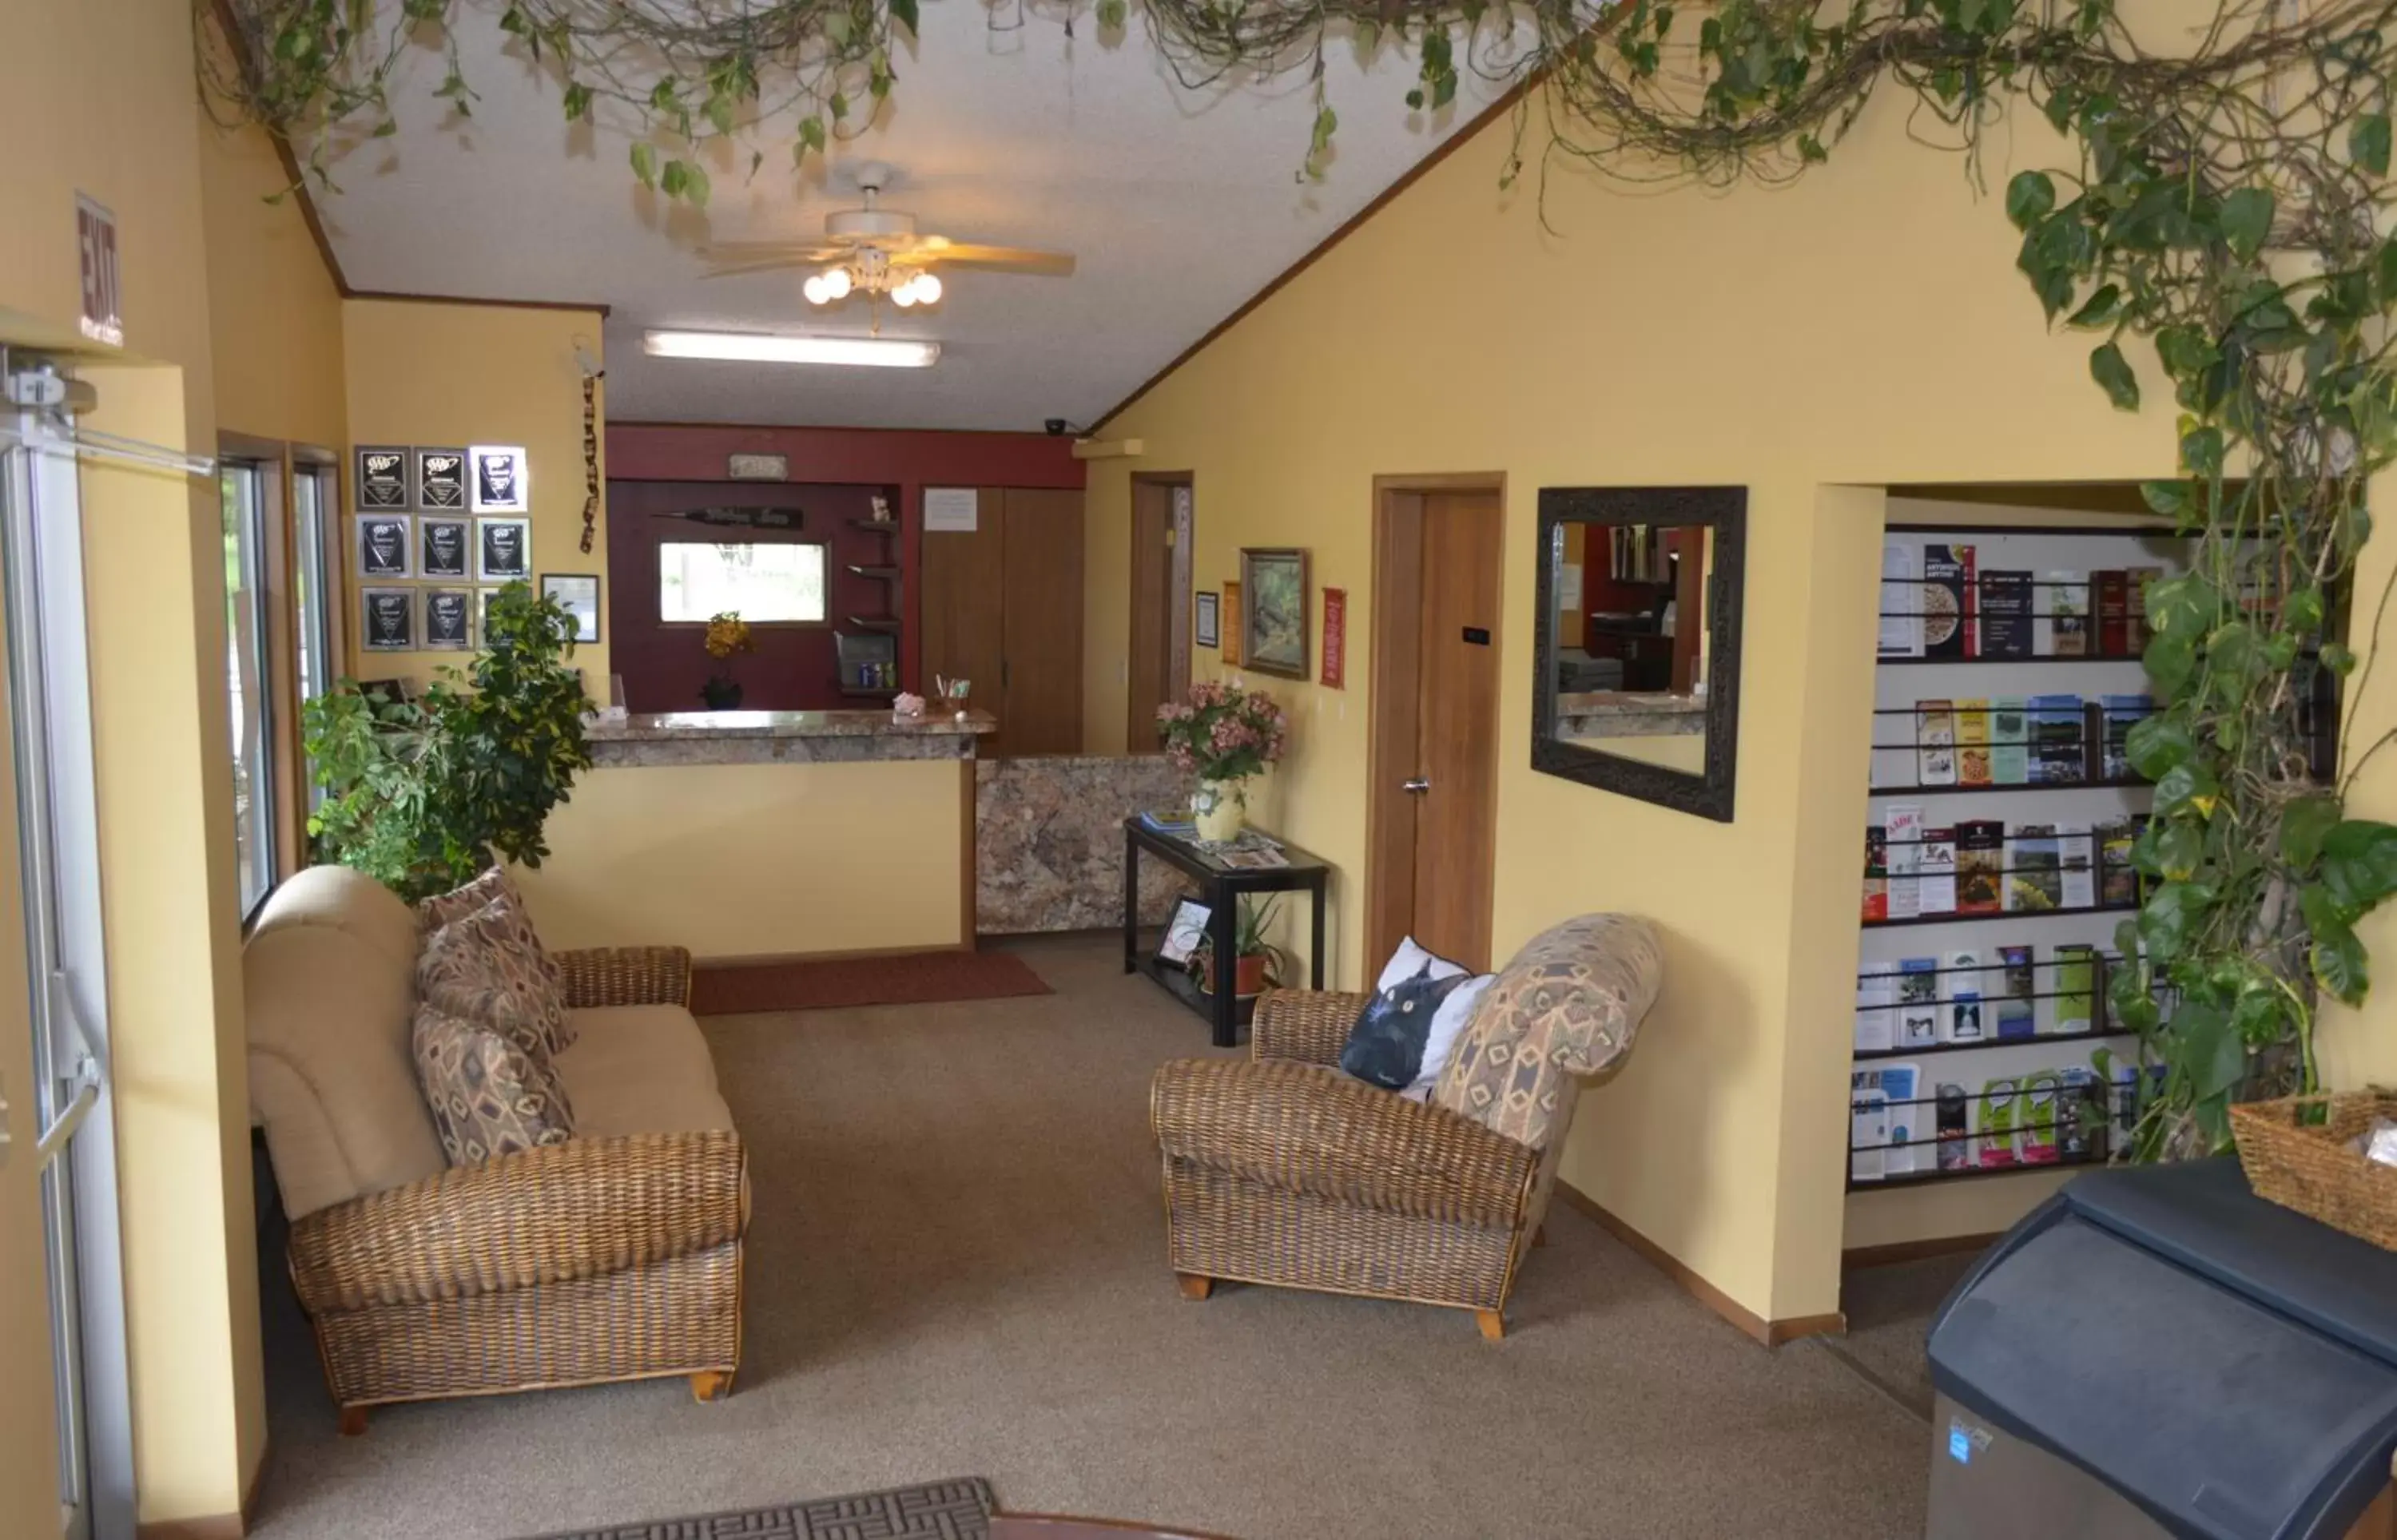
(1416, 786)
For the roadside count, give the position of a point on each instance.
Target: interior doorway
(1432, 793)
(1161, 521)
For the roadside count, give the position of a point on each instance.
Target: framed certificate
(445, 548)
(382, 477)
(387, 620)
(383, 541)
(441, 480)
(449, 619)
(501, 483)
(502, 550)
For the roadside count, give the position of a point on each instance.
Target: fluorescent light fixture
(768, 348)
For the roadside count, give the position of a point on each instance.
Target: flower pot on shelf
(721, 695)
(1219, 808)
(1249, 980)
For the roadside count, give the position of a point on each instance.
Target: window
(763, 580)
(315, 503)
(246, 486)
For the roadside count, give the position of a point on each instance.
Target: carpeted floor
(958, 1265)
(1889, 1310)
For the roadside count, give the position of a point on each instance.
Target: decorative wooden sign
(1335, 638)
(1231, 625)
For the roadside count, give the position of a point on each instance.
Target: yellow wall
(274, 307)
(457, 374)
(1886, 338)
(758, 860)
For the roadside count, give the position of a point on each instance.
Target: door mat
(941, 1510)
(905, 978)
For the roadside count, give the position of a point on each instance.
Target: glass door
(41, 573)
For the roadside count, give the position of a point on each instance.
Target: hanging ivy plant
(2221, 233)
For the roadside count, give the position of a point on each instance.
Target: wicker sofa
(1280, 1169)
(614, 1256)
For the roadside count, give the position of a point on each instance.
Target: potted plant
(422, 795)
(1261, 965)
(1224, 734)
(728, 634)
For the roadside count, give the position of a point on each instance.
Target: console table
(1220, 888)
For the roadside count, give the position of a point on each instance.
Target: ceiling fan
(876, 251)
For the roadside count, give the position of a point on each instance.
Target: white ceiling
(1178, 206)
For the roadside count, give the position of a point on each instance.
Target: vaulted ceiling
(1178, 206)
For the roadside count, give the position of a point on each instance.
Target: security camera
(1056, 427)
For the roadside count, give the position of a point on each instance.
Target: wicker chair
(615, 1256)
(1280, 1169)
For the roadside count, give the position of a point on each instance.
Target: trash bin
(2157, 1351)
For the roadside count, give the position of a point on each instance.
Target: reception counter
(760, 834)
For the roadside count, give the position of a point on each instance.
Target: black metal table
(1220, 888)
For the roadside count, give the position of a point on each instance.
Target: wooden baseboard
(762, 960)
(215, 1526)
(1916, 1251)
(1770, 1333)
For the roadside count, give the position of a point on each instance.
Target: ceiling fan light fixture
(927, 288)
(836, 283)
(815, 291)
(772, 347)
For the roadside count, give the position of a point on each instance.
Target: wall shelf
(2123, 782)
(887, 574)
(1955, 917)
(1982, 1045)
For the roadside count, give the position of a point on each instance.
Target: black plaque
(387, 618)
(449, 619)
(382, 477)
(446, 548)
(441, 479)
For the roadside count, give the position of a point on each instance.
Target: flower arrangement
(1224, 734)
(728, 635)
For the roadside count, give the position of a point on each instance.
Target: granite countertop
(757, 737)
(685, 727)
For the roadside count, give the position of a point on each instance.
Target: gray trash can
(2157, 1351)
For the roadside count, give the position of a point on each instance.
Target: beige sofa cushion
(640, 1070)
(329, 980)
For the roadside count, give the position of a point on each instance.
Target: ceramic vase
(1219, 808)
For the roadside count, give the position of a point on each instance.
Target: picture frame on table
(499, 480)
(1207, 608)
(387, 620)
(1276, 610)
(380, 478)
(441, 481)
(445, 548)
(503, 550)
(1184, 931)
(449, 619)
(578, 591)
(385, 546)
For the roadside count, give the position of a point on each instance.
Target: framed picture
(1211, 622)
(387, 620)
(445, 548)
(449, 619)
(1184, 931)
(502, 483)
(578, 591)
(441, 480)
(1232, 625)
(383, 540)
(483, 598)
(382, 477)
(1274, 618)
(502, 550)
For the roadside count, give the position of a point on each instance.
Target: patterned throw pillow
(1568, 1005)
(488, 967)
(487, 1096)
(442, 908)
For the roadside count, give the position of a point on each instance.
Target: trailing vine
(2221, 233)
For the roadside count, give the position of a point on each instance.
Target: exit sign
(103, 319)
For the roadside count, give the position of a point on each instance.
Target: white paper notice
(1568, 589)
(951, 509)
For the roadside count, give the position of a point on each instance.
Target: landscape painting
(1274, 599)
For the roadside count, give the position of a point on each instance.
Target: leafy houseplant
(1261, 965)
(1224, 734)
(728, 635)
(422, 795)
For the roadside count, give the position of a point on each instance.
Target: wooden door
(1149, 681)
(963, 608)
(1040, 670)
(1433, 802)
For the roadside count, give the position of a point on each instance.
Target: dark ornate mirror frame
(1721, 508)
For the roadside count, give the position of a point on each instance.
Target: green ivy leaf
(2104, 304)
(2339, 964)
(2359, 863)
(719, 112)
(674, 178)
(2030, 198)
(2367, 143)
(2178, 849)
(2188, 787)
(2302, 610)
(2157, 744)
(2170, 498)
(2169, 659)
(644, 163)
(2211, 1051)
(2338, 659)
(2303, 825)
(904, 11)
(2247, 221)
(812, 134)
(2113, 373)
(2201, 451)
(2172, 917)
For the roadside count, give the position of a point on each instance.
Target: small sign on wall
(1231, 625)
(1335, 638)
(952, 510)
(103, 319)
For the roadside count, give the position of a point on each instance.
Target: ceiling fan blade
(940, 249)
(751, 253)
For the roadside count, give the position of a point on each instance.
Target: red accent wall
(829, 468)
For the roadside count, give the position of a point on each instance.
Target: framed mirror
(1639, 596)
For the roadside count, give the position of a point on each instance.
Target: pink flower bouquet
(1222, 733)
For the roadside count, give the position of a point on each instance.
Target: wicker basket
(2314, 1169)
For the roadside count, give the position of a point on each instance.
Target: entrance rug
(942, 1510)
(902, 978)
